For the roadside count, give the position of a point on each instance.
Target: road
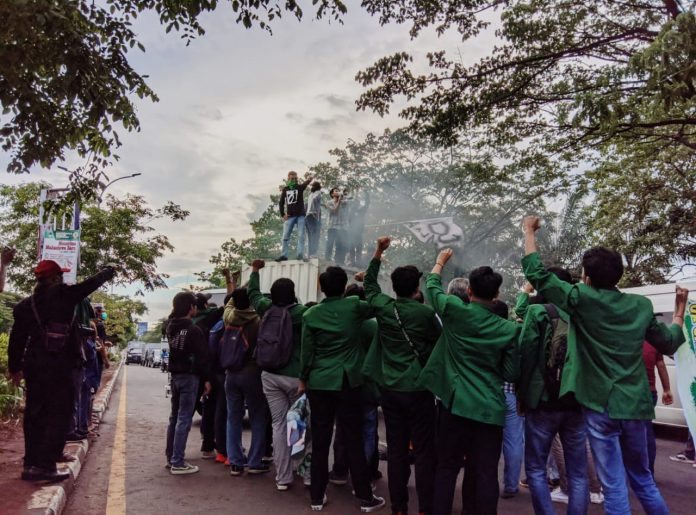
(125, 472)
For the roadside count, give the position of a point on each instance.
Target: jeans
(369, 430)
(346, 406)
(184, 393)
(313, 226)
(84, 413)
(513, 444)
(541, 427)
(410, 417)
(78, 379)
(288, 226)
(481, 444)
(281, 393)
(220, 414)
(559, 463)
(650, 436)
(336, 238)
(240, 387)
(620, 449)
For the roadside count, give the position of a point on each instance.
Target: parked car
(134, 355)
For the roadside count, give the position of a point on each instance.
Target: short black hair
(241, 298)
(603, 266)
(316, 186)
(355, 290)
(227, 299)
(333, 189)
(405, 280)
(283, 292)
(333, 281)
(484, 282)
(202, 300)
(501, 309)
(182, 303)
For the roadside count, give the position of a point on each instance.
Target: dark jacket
(188, 348)
(54, 304)
(292, 200)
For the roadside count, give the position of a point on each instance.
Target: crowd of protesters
(566, 373)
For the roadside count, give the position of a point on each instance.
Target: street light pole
(101, 195)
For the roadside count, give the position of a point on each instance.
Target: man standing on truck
(292, 209)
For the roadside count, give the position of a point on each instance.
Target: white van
(662, 298)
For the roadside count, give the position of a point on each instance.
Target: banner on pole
(63, 247)
(443, 232)
(685, 359)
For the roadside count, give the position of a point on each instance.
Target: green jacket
(537, 331)
(331, 343)
(604, 367)
(475, 354)
(392, 362)
(262, 304)
(369, 338)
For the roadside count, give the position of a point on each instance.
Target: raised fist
(445, 256)
(258, 264)
(682, 296)
(531, 223)
(359, 277)
(383, 243)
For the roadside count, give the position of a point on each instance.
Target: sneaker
(267, 459)
(281, 258)
(681, 457)
(261, 469)
(168, 466)
(236, 470)
(319, 505)
(374, 504)
(557, 495)
(282, 487)
(227, 462)
(336, 479)
(596, 497)
(220, 458)
(307, 481)
(507, 494)
(523, 483)
(207, 455)
(186, 468)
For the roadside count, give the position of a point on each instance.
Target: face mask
(104, 316)
(291, 183)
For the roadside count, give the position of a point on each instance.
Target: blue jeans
(313, 226)
(288, 226)
(541, 427)
(184, 393)
(513, 444)
(620, 449)
(369, 431)
(240, 387)
(650, 436)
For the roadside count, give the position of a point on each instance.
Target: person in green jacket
(408, 331)
(331, 359)
(280, 386)
(604, 365)
(476, 353)
(547, 414)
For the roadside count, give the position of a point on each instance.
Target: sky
(238, 109)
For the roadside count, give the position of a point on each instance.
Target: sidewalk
(22, 497)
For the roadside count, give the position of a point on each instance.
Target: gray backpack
(275, 341)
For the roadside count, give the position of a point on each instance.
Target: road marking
(116, 495)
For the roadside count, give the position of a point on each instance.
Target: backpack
(555, 353)
(275, 341)
(233, 348)
(215, 341)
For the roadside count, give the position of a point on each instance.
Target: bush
(4, 341)
(10, 399)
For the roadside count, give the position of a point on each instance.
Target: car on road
(134, 355)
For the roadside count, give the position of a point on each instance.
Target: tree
(563, 76)
(154, 335)
(119, 233)
(121, 316)
(645, 207)
(65, 79)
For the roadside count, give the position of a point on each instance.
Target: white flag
(443, 232)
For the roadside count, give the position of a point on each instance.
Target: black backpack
(233, 348)
(275, 341)
(556, 353)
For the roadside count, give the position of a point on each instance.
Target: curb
(52, 500)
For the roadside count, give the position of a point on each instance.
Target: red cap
(47, 268)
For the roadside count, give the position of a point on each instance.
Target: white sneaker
(282, 487)
(557, 495)
(208, 455)
(320, 507)
(186, 468)
(596, 497)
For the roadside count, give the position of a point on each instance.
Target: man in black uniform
(44, 347)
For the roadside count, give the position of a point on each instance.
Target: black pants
(208, 419)
(340, 463)
(346, 406)
(410, 417)
(220, 415)
(481, 443)
(49, 410)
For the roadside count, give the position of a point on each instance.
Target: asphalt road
(129, 457)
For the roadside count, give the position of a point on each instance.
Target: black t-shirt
(292, 200)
